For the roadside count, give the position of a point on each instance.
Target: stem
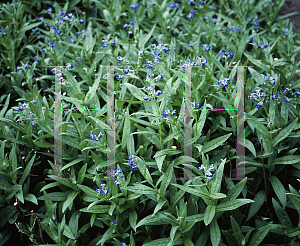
(266, 189)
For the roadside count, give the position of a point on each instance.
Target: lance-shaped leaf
(284, 133)
(231, 205)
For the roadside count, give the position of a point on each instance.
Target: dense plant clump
(144, 181)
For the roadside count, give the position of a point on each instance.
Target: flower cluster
(134, 6)
(103, 191)
(232, 28)
(95, 138)
(256, 95)
(270, 79)
(167, 111)
(3, 32)
(223, 82)
(191, 14)
(191, 44)
(174, 5)
(197, 105)
(124, 244)
(104, 42)
(256, 24)
(130, 26)
(208, 173)
(262, 45)
(149, 90)
(118, 174)
(225, 55)
(206, 47)
(286, 30)
(132, 162)
(25, 67)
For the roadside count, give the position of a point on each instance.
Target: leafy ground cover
(153, 48)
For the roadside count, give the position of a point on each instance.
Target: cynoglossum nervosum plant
(142, 129)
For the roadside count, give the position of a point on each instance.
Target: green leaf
(258, 63)
(6, 213)
(163, 242)
(72, 163)
(138, 93)
(179, 194)
(231, 205)
(158, 207)
(286, 160)
(13, 163)
(43, 144)
(237, 233)
(278, 189)
(249, 145)
(193, 191)
(159, 161)
(259, 200)
(6, 104)
(92, 90)
(215, 233)
(215, 143)
(284, 133)
(31, 198)
(70, 198)
(144, 40)
(233, 193)
(132, 218)
(55, 197)
(126, 129)
(98, 209)
(81, 173)
(166, 179)
(293, 232)
(259, 79)
(144, 170)
(217, 179)
(27, 170)
(27, 27)
(149, 220)
(209, 214)
(260, 234)
(140, 189)
(281, 214)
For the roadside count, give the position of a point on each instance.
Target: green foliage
(171, 183)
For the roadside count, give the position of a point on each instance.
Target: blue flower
(53, 27)
(298, 93)
(149, 87)
(94, 137)
(125, 25)
(134, 6)
(259, 105)
(260, 45)
(153, 4)
(78, 59)
(222, 54)
(33, 123)
(200, 3)
(266, 45)
(41, 18)
(119, 58)
(158, 93)
(251, 39)
(206, 47)
(62, 13)
(114, 222)
(256, 24)
(34, 101)
(20, 108)
(59, 31)
(132, 22)
(215, 20)
(72, 40)
(18, 68)
(80, 22)
(72, 65)
(49, 10)
(247, 20)
(155, 59)
(78, 33)
(230, 29)
(69, 14)
(287, 100)
(26, 66)
(84, 36)
(206, 17)
(42, 50)
(30, 114)
(126, 71)
(103, 43)
(286, 89)
(238, 29)
(276, 96)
